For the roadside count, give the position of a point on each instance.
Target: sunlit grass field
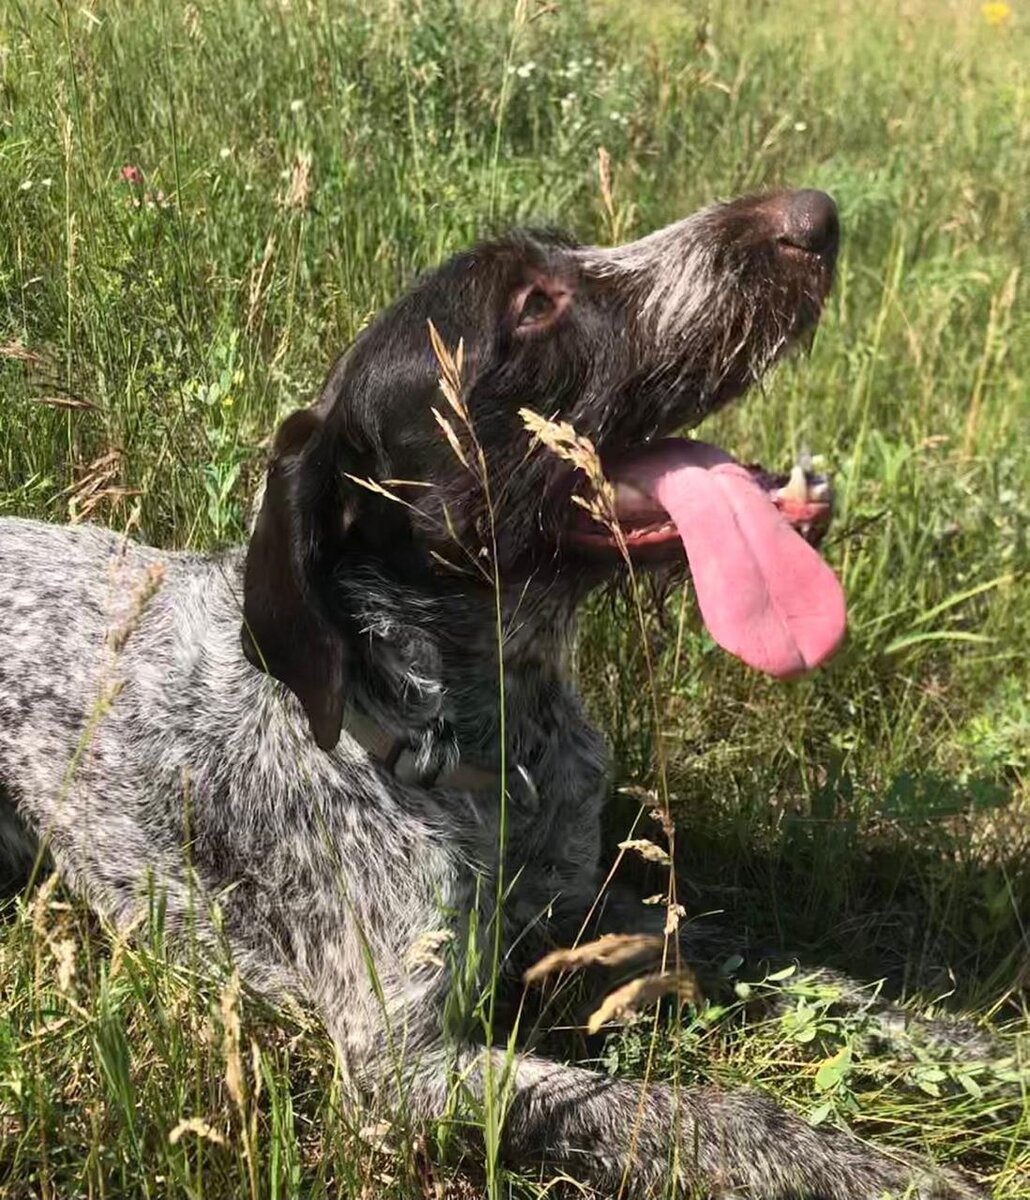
(200, 204)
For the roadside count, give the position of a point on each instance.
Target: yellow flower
(997, 12)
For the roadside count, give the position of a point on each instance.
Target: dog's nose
(807, 220)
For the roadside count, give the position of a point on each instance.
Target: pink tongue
(765, 594)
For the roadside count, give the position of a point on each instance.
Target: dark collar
(398, 757)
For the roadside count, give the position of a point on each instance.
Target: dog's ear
(291, 628)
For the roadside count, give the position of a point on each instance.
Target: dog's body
(140, 741)
(161, 748)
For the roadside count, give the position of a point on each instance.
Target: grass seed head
(607, 951)
(632, 996)
(200, 1128)
(298, 192)
(229, 1006)
(648, 851)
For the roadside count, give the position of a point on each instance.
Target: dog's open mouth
(764, 592)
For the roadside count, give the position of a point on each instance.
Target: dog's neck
(427, 658)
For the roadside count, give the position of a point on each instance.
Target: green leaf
(784, 973)
(833, 1069)
(820, 1113)
(937, 635)
(961, 597)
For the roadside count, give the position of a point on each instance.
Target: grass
(295, 163)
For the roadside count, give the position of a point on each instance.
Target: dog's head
(627, 345)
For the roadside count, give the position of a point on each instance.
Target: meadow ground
(201, 203)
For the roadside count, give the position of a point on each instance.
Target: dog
(318, 738)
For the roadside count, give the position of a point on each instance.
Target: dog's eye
(539, 307)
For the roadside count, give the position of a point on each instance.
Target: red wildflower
(131, 174)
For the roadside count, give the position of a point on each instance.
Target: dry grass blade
(373, 486)
(451, 368)
(98, 473)
(257, 286)
(447, 565)
(452, 438)
(633, 996)
(448, 521)
(377, 1136)
(19, 353)
(94, 487)
(110, 495)
(608, 951)
(69, 401)
(604, 171)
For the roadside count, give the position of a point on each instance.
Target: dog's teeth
(627, 494)
(632, 503)
(796, 487)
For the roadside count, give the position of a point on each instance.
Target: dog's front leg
(625, 1138)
